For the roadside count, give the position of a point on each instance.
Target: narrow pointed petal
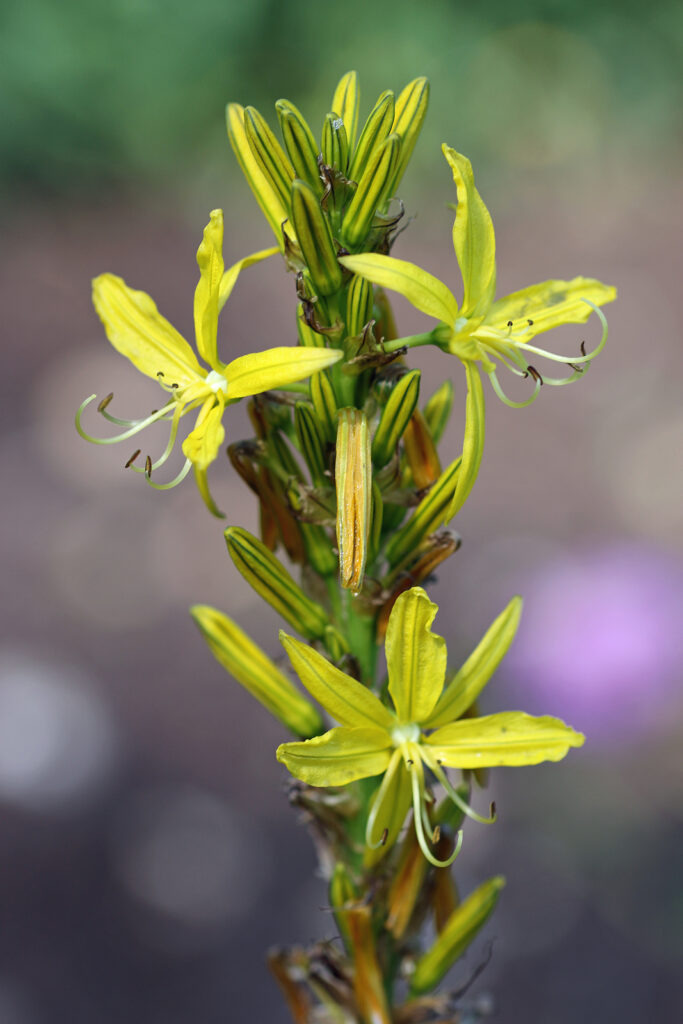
(347, 700)
(416, 657)
(211, 267)
(137, 330)
(421, 289)
(473, 239)
(275, 368)
(345, 102)
(232, 273)
(337, 757)
(468, 682)
(388, 811)
(510, 738)
(202, 444)
(550, 304)
(473, 442)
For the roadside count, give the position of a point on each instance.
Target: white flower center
(460, 323)
(406, 732)
(216, 382)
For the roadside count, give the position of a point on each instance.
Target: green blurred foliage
(95, 94)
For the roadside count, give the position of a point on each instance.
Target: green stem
(360, 631)
(410, 341)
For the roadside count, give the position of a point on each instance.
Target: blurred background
(148, 856)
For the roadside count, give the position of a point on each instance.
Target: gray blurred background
(148, 854)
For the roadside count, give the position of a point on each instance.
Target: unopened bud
(269, 154)
(311, 442)
(368, 979)
(421, 452)
(438, 409)
(274, 209)
(428, 515)
(395, 417)
(417, 567)
(343, 892)
(411, 107)
(325, 405)
(459, 931)
(335, 143)
(315, 239)
(300, 144)
(406, 886)
(353, 475)
(359, 298)
(373, 188)
(265, 574)
(345, 103)
(307, 336)
(251, 667)
(375, 132)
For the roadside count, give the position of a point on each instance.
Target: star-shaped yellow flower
(135, 328)
(425, 729)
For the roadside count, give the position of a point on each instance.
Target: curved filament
(419, 812)
(130, 432)
(455, 796)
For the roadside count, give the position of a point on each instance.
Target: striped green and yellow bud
(343, 894)
(345, 103)
(300, 144)
(353, 477)
(325, 405)
(274, 210)
(252, 667)
(421, 454)
(269, 154)
(373, 189)
(377, 518)
(411, 108)
(438, 409)
(271, 581)
(359, 300)
(315, 239)
(375, 132)
(335, 143)
(460, 930)
(395, 418)
(307, 336)
(427, 517)
(311, 442)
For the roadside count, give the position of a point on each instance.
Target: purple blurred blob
(601, 641)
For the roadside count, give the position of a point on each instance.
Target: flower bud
(411, 107)
(406, 886)
(438, 409)
(345, 104)
(300, 144)
(353, 475)
(368, 981)
(272, 582)
(335, 144)
(251, 667)
(359, 298)
(307, 336)
(417, 567)
(428, 515)
(311, 442)
(325, 405)
(461, 928)
(269, 155)
(267, 197)
(315, 239)
(342, 893)
(395, 418)
(373, 188)
(421, 453)
(376, 129)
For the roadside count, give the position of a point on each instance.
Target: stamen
(148, 466)
(105, 402)
(495, 383)
(133, 457)
(454, 795)
(169, 446)
(584, 357)
(530, 323)
(534, 373)
(417, 782)
(132, 430)
(173, 483)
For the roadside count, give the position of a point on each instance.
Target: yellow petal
(411, 108)
(345, 103)
(468, 682)
(138, 331)
(265, 194)
(275, 368)
(550, 304)
(338, 757)
(416, 657)
(345, 698)
(232, 273)
(473, 239)
(211, 267)
(421, 289)
(473, 442)
(510, 738)
(202, 444)
(388, 811)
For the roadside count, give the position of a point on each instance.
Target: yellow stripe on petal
(211, 267)
(137, 330)
(468, 682)
(338, 757)
(473, 442)
(232, 273)
(343, 697)
(416, 657)
(510, 738)
(473, 239)
(275, 368)
(421, 289)
(550, 304)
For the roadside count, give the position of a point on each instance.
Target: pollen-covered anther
(533, 372)
(105, 402)
(148, 466)
(132, 459)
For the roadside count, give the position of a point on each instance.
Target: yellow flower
(135, 328)
(425, 729)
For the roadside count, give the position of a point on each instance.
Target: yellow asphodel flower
(425, 730)
(135, 328)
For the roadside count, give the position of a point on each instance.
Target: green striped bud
(373, 188)
(460, 930)
(325, 405)
(359, 300)
(284, 460)
(335, 143)
(271, 581)
(427, 517)
(377, 518)
(300, 144)
(353, 476)
(252, 667)
(395, 417)
(411, 107)
(269, 154)
(307, 336)
(345, 103)
(437, 411)
(311, 442)
(343, 893)
(315, 239)
(375, 132)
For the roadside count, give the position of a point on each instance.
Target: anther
(148, 465)
(436, 834)
(174, 386)
(535, 374)
(160, 373)
(133, 457)
(105, 402)
(385, 836)
(492, 809)
(409, 761)
(509, 323)
(583, 348)
(576, 368)
(530, 323)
